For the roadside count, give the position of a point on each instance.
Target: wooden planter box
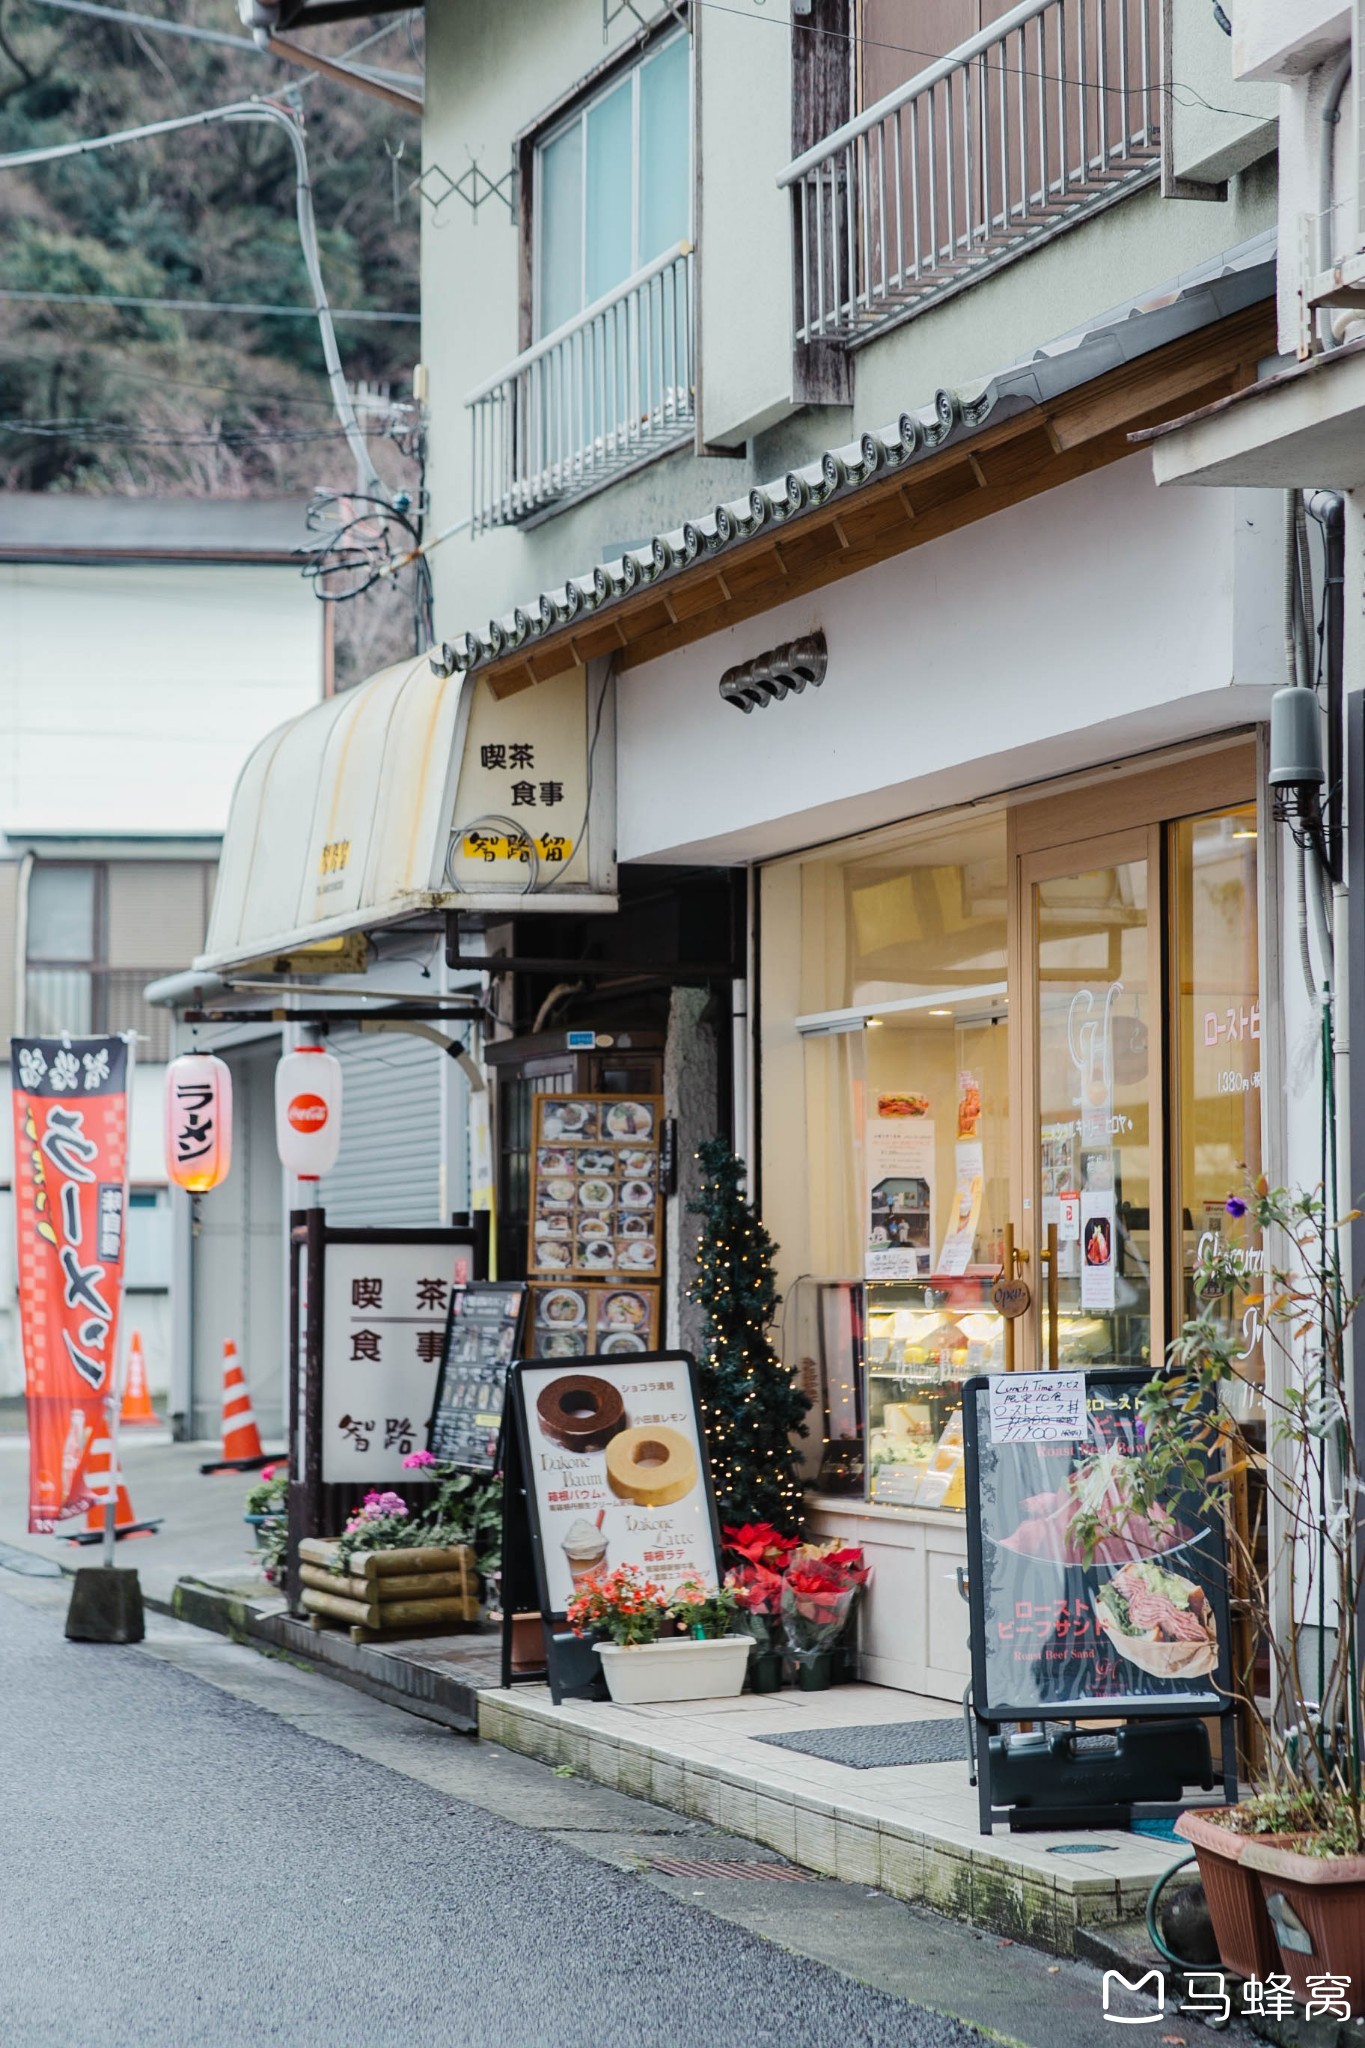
(389, 1592)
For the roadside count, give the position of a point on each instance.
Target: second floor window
(614, 185)
(98, 932)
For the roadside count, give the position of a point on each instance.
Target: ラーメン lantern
(308, 1111)
(198, 1121)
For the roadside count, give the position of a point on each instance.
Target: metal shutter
(389, 1167)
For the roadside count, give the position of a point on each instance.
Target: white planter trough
(640, 1674)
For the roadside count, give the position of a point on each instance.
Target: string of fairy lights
(753, 1409)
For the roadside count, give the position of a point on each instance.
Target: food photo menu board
(481, 1340)
(595, 1187)
(572, 1321)
(615, 1471)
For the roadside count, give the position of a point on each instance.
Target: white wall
(131, 695)
(1093, 622)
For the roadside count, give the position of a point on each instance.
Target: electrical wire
(120, 373)
(1006, 70)
(126, 18)
(245, 306)
(111, 433)
(291, 124)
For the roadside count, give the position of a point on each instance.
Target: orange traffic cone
(137, 1402)
(241, 1439)
(104, 1477)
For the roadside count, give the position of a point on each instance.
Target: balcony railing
(604, 392)
(1047, 115)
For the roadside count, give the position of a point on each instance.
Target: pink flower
(267, 1471)
(416, 1461)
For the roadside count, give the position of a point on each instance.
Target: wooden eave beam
(1031, 451)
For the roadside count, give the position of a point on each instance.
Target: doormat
(881, 1744)
(1158, 1831)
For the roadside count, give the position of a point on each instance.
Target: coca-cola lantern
(308, 1111)
(198, 1121)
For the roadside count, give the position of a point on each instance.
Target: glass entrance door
(1093, 1155)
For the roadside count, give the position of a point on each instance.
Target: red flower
(760, 1543)
(758, 1590)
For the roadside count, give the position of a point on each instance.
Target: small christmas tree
(751, 1408)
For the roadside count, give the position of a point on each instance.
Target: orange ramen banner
(70, 1200)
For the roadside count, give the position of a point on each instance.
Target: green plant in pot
(266, 1511)
(818, 1597)
(635, 1625)
(1285, 1869)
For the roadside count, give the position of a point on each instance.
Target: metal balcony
(605, 392)
(1047, 116)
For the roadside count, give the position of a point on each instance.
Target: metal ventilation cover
(789, 667)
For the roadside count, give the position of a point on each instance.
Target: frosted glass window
(614, 186)
(665, 151)
(61, 912)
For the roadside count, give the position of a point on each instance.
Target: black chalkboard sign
(1136, 1625)
(482, 1337)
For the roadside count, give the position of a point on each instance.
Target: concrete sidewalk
(202, 1533)
(908, 1831)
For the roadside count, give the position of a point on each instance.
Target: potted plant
(756, 1580)
(818, 1594)
(1284, 1870)
(265, 1504)
(389, 1572)
(758, 1611)
(848, 1558)
(629, 1617)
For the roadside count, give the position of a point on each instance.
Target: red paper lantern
(198, 1121)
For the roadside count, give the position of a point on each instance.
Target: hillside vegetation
(102, 398)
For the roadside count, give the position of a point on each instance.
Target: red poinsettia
(849, 1561)
(816, 1602)
(758, 1590)
(761, 1544)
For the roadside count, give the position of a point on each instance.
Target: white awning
(417, 792)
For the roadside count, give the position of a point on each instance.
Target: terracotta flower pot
(1315, 1906)
(1246, 1940)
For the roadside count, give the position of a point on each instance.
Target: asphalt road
(183, 1869)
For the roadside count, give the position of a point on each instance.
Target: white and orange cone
(137, 1402)
(242, 1450)
(104, 1477)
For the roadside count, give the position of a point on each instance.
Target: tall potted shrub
(1285, 1869)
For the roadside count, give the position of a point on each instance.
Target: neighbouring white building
(145, 645)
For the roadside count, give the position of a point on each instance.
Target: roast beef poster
(1138, 1616)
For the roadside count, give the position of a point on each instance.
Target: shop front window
(906, 1038)
(1094, 983)
(984, 1039)
(1217, 1030)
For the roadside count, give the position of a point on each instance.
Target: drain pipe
(1328, 508)
(1331, 116)
(1296, 679)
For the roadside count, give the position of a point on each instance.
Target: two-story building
(147, 645)
(784, 382)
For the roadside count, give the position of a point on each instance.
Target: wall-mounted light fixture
(790, 667)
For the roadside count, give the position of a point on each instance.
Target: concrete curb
(447, 1697)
